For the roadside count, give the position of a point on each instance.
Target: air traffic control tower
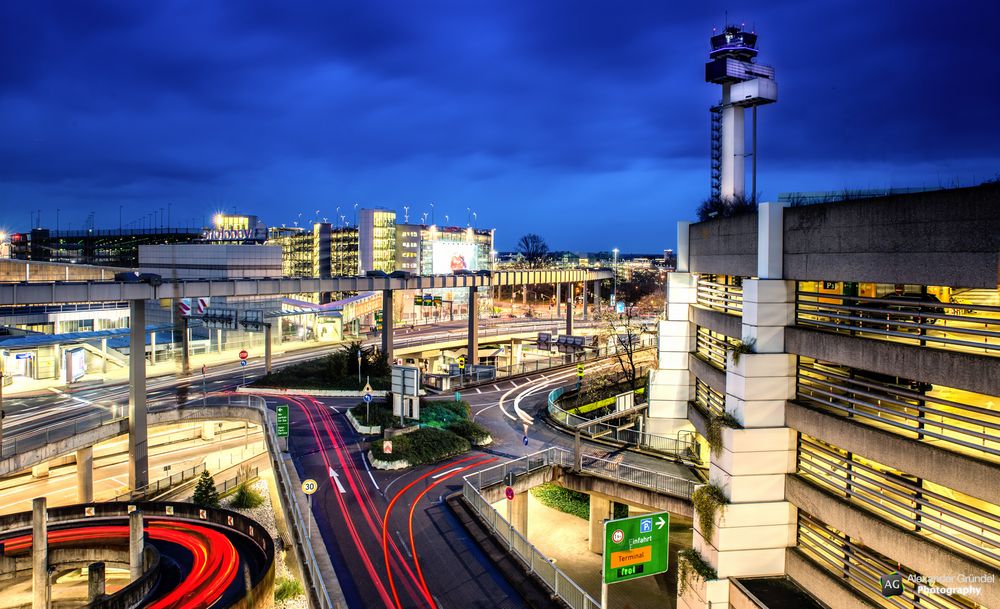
(745, 84)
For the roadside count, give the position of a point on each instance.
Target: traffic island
(423, 445)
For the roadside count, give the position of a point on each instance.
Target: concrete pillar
(597, 296)
(41, 595)
(558, 299)
(267, 348)
(683, 247)
(152, 347)
(671, 384)
(185, 346)
(104, 355)
(585, 301)
(138, 462)
(569, 308)
(135, 545)
(218, 341)
(208, 430)
(95, 581)
(85, 475)
(600, 510)
(524, 293)
(517, 513)
(387, 325)
(472, 351)
(41, 470)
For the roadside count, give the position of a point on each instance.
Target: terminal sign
(636, 547)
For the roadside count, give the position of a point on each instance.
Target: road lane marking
(403, 543)
(478, 390)
(445, 473)
(364, 459)
(495, 387)
(336, 480)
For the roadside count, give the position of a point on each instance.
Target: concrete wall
(969, 476)
(712, 376)
(949, 237)
(967, 371)
(922, 556)
(723, 323)
(820, 584)
(725, 246)
(623, 493)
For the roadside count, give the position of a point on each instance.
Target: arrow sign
(336, 480)
(660, 522)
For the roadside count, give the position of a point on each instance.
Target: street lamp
(614, 271)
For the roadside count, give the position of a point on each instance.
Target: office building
(377, 240)
(838, 363)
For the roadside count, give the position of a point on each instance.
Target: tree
(533, 249)
(205, 493)
(623, 333)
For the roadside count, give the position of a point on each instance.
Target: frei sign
(636, 547)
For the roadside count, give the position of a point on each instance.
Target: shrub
(441, 413)
(620, 510)
(475, 433)
(714, 431)
(246, 497)
(707, 500)
(690, 563)
(286, 588)
(563, 499)
(424, 445)
(205, 493)
(380, 414)
(339, 370)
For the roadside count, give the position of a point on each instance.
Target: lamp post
(614, 271)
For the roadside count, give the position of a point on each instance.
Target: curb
(322, 393)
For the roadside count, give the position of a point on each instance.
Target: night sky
(586, 122)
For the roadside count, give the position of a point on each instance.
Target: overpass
(59, 292)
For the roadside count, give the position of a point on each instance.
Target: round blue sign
(368, 397)
(525, 440)
(243, 363)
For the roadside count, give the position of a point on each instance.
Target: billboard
(448, 257)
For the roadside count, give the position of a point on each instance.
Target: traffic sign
(461, 362)
(636, 547)
(387, 447)
(367, 388)
(282, 420)
(244, 354)
(509, 492)
(368, 398)
(309, 486)
(243, 363)
(525, 440)
(580, 370)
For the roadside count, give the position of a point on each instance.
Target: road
(28, 413)
(392, 540)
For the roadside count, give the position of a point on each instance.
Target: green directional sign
(282, 426)
(635, 547)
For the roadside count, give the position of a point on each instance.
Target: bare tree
(623, 333)
(725, 207)
(533, 249)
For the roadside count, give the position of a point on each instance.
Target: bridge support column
(185, 345)
(267, 348)
(387, 325)
(517, 513)
(104, 355)
(135, 545)
(558, 299)
(569, 308)
(95, 581)
(85, 474)
(597, 298)
(41, 594)
(585, 301)
(600, 510)
(138, 462)
(208, 430)
(472, 352)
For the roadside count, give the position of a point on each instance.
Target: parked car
(376, 274)
(402, 274)
(911, 307)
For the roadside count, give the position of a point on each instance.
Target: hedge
(380, 413)
(473, 432)
(338, 370)
(424, 445)
(563, 499)
(441, 413)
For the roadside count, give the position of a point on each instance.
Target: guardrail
(162, 484)
(723, 297)
(965, 327)
(552, 576)
(677, 448)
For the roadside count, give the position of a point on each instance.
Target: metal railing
(561, 585)
(63, 308)
(711, 346)
(860, 568)
(965, 327)
(710, 400)
(677, 448)
(719, 295)
(244, 476)
(901, 409)
(938, 513)
(18, 443)
(162, 484)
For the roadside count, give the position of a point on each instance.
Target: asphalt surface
(392, 539)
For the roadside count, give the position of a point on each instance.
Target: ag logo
(892, 584)
(618, 536)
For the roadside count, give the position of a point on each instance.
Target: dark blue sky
(586, 122)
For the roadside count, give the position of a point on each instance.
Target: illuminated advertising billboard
(449, 257)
